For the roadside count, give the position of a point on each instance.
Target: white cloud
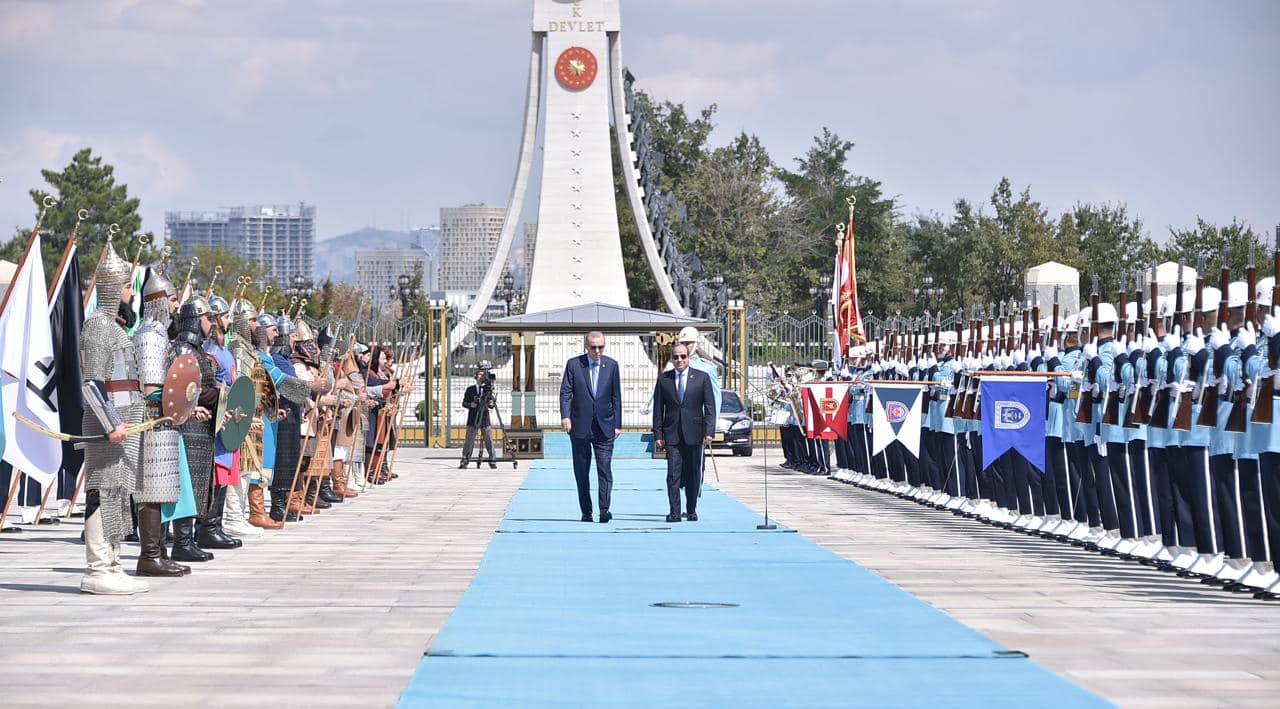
(728, 73)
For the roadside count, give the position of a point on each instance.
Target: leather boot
(184, 542)
(235, 513)
(164, 549)
(340, 480)
(327, 493)
(100, 576)
(314, 498)
(211, 534)
(297, 503)
(278, 512)
(150, 560)
(258, 513)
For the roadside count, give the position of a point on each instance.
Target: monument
(575, 98)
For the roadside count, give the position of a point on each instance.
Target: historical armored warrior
(113, 401)
(161, 481)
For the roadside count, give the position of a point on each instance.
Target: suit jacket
(582, 406)
(477, 411)
(687, 421)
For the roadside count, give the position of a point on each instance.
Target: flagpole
(75, 494)
(26, 251)
(13, 492)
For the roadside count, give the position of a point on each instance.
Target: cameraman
(477, 401)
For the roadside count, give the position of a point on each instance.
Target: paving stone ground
(335, 611)
(1132, 634)
(338, 610)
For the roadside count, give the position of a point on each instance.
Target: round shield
(241, 402)
(181, 388)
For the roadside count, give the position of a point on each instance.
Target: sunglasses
(679, 357)
(596, 348)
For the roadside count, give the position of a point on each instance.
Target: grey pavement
(1132, 634)
(333, 611)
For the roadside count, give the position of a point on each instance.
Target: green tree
(85, 183)
(1103, 240)
(641, 287)
(681, 140)
(1210, 242)
(1018, 236)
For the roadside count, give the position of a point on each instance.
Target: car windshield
(730, 403)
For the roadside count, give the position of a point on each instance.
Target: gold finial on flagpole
(213, 281)
(49, 202)
(266, 291)
(81, 215)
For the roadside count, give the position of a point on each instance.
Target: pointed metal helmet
(157, 286)
(218, 305)
(285, 324)
(243, 310)
(112, 273)
(304, 331)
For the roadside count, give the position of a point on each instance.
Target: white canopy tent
(1041, 281)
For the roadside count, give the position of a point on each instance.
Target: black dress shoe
(673, 517)
(605, 516)
(692, 516)
(586, 517)
(463, 464)
(493, 465)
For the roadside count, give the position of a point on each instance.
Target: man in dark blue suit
(591, 413)
(684, 419)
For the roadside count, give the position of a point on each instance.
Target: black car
(733, 428)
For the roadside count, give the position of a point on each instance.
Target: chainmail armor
(160, 481)
(106, 353)
(197, 436)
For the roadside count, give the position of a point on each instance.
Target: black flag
(66, 320)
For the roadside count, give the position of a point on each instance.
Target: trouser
(1269, 479)
(1189, 467)
(997, 475)
(1226, 505)
(858, 447)
(684, 470)
(786, 437)
(1143, 498)
(965, 454)
(1106, 501)
(1251, 511)
(822, 452)
(1055, 459)
(469, 442)
(944, 459)
(914, 468)
(879, 463)
(583, 448)
(926, 466)
(1086, 501)
(1122, 489)
(844, 454)
(894, 456)
(1162, 494)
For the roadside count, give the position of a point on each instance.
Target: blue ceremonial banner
(1013, 417)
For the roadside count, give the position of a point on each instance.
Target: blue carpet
(561, 614)
(556, 445)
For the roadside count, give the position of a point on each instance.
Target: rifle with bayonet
(1084, 409)
(1111, 397)
(958, 376)
(1182, 410)
(1131, 412)
(1209, 409)
(1147, 394)
(1163, 399)
(1237, 420)
(1265, 390)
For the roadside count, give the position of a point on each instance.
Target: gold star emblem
(576, 66)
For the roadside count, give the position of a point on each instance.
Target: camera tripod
(487, 398)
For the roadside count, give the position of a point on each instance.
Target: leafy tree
(85, 183)
(641, 286)
(1211, 242)
(681, 140)
(1103, 240)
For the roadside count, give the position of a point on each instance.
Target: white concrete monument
(575, 78)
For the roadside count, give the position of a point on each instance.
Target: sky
(382, 111)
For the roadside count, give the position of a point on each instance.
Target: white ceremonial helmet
(1237, 294)
(1210, 297)
(1263, 291)
(1107, 314)
(688, 334)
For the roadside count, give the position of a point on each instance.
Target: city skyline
(1162, 106)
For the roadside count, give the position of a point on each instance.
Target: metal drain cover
(693, 604)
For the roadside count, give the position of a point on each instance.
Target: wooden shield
(181, 389)
(241, 402)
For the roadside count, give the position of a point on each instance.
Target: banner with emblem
(1013, 417)
(826, 406)
(896, 413)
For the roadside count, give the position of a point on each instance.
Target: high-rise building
(282, 238)
(468, 243)
(379, 270)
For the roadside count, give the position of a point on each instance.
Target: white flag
(896, 415)
(26, 373)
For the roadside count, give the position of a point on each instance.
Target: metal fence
(744, 351)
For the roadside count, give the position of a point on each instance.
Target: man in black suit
(684, 419)
(591, 413)
(478, 400)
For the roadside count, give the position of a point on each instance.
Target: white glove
(1117, 346)
(1077, 375)
(1170, 341)
(1091, 350)
(1006, 361)
(1194, 344)
(1051, 351)
(1136, 345)
(1246, 338)
(1018, 357)
(1149, 342)
(1270, 325)
(1036, 353)
(1219, 337)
